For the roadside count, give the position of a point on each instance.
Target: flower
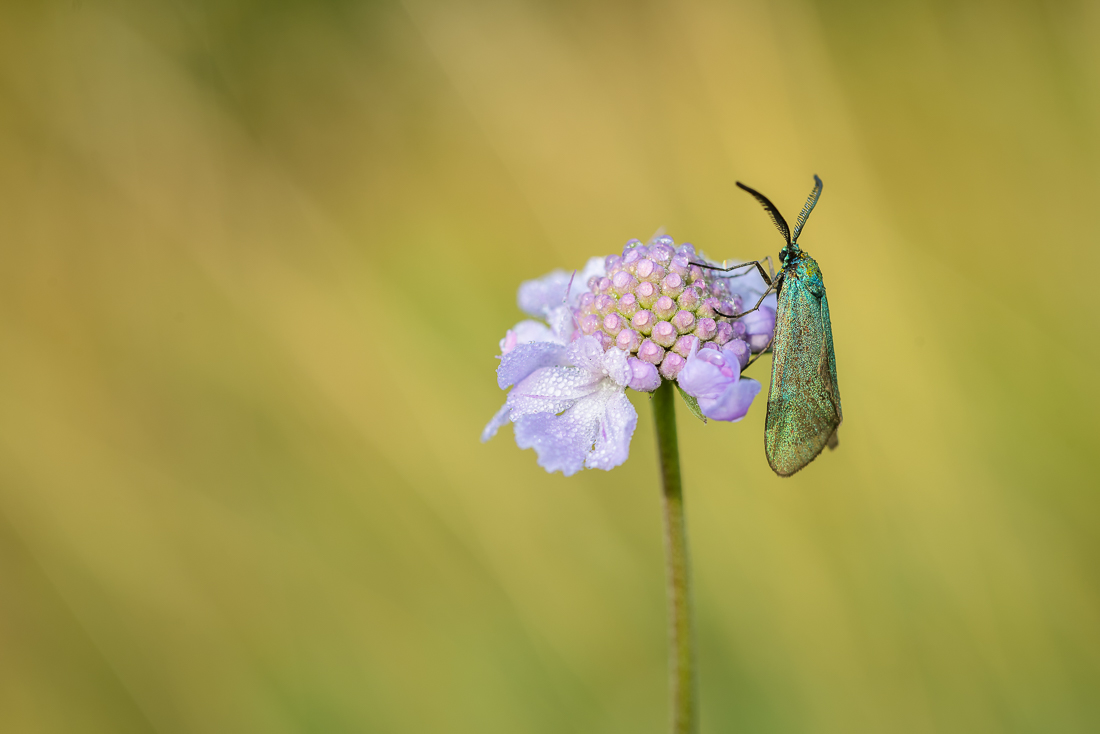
(630, 320)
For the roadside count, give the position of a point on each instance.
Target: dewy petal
(562, 324)
(617, 424)
(617, 367)
(576, 415)
(587, 354)
(559, 448)
(552, 390)
(494, 425)
(526, 332)
(594, 431)
(517, 364)
(537, 297)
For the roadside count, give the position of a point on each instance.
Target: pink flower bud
(672, 285)
(684, 321)
(628, 305)
(664, 308)
(696, 273)
(605, 285)
(594, 284)
(622, 282)
(684, 344)
(642, 322)
(723, 333)
(662, 251)
(671, 365)
(705, 329)
(647, 294)
(664, 334)
(686, 251)
(628, 340)
(680, 265)
(707, 309)
(603, 304)
(644, 376)
(649, 271)
(612, 324)
(590, 324)
(611, 263)
(689, 300)
(633, 250)
(650, 352)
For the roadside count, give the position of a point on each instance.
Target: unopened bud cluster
(653, 301)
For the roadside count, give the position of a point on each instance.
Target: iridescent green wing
(804, 399)
(828, 367)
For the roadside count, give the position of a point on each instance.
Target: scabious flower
(626, 321)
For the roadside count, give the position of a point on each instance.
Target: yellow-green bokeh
(255, 259)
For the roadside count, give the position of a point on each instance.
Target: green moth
(804, 398)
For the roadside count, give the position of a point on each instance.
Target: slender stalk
(681, 646)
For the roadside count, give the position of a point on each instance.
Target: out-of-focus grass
(256, 258)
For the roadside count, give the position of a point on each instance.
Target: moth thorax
(788, 253)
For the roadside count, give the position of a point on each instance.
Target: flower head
(629, 320)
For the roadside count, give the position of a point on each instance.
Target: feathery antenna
(808, 207)
(777, 218)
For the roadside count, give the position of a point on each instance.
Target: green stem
(681, 653)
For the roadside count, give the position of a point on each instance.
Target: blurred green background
(256, 258)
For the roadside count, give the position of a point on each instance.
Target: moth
(804, 398)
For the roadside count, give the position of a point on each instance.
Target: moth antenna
(808, 207)
(777, 218)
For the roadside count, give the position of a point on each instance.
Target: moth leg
(771, 288)
(759, 268)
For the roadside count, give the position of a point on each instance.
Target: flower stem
(681, 652)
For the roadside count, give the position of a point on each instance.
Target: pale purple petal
(526, 332)
(562, 324)
(586, 353)
(494, 425)
(733, 403)
(644, 376)
(618, 420)
(538, 297)
(558, 445)
(526, 358)
(759, 326)
(739, 350)
(552, 390)
(594, 431)
(617, 366)
(713, 377)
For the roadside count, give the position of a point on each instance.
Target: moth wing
(804, 399)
